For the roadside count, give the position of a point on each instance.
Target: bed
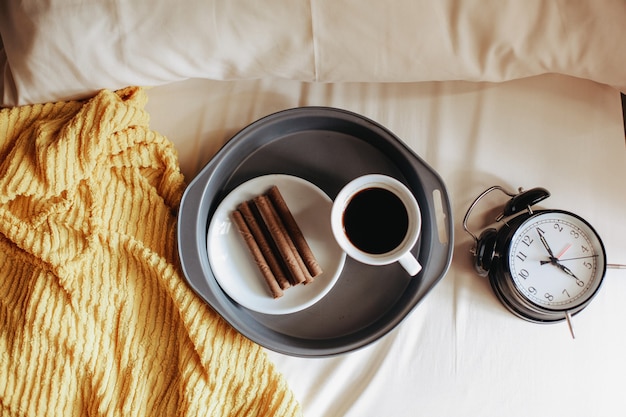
(99, 314)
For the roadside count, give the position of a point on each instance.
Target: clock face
(556, 260)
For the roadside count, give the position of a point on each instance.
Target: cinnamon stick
(256, 253)
(265, 247)
(294, 231)
(285, 246)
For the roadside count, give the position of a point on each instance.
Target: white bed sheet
(459, 353)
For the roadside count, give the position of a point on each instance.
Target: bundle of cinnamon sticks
(276, 242)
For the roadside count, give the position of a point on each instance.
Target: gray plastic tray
(328, 147)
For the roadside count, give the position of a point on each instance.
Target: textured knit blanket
(95, 316)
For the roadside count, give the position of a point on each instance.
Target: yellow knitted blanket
(95, 316)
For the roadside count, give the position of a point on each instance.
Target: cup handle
(409, 263)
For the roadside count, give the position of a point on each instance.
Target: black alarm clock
(543, 265)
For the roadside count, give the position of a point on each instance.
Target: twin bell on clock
(543, 265)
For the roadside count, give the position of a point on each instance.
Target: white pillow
(63, 49)
(475, 40)
(66, 49)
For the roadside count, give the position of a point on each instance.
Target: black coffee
(375, 220)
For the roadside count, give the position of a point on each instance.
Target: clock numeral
(521, 256)
(574, 234)
(558, 227)
(549, 296)
(532, 290)
(527, 240)
(566, 293)
(584, 248)
(523, 273)
(588, 265)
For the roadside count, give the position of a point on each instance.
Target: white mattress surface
(459, 352)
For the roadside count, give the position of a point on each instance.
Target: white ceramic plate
(234, 267)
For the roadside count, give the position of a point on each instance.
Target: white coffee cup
(377, 221)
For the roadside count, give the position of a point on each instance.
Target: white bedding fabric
(554, 121)
(65, 49)
(459, 353)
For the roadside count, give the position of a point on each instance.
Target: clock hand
(570, 259)
(566, 270)
(569, 272)
(545, 245)
(565, 249)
